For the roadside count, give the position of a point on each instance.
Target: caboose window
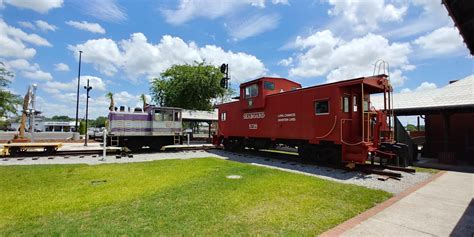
(321, 107)
(269, 85)
(223, 116)
(251, 91)
(345, 104)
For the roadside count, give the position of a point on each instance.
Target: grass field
(173, 197)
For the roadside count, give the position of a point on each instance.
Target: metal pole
(88, 88)
(104, 139)
(33, 111)
(78, 83)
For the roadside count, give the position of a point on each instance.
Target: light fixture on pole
(77, 99)
(88, 88)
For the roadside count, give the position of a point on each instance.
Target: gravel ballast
(343, 176)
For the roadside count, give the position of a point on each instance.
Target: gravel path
(352, 177)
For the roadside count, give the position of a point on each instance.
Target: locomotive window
(251, 91)
(321, 107)
(223, 116)
(269, 85)
(176, 116)
(158, 115)
(345, 104)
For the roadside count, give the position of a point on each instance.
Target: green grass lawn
(173, 197)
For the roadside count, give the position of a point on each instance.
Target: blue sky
(126, 43)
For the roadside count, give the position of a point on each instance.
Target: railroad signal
(225, 70)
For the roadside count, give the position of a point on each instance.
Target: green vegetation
(8, 100)
(426, 170)
(188, 86)
(173, 197)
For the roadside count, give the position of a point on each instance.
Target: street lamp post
(88, 88)
(78, 83)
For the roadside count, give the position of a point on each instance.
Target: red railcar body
(333, 121)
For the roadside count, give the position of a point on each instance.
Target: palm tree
(110, 95)
(143, 99)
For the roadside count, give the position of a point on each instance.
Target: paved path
(442, 207)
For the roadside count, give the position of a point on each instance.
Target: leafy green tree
(188, 86)
(8, 100)
(61, 118)
(82, 127)
(100, 121)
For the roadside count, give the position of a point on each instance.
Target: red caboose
(331, 122)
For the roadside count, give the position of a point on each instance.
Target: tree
(110, 95)
(100, 121)
(188, 86)
(61, 118)
(8, 100)
(82, 127)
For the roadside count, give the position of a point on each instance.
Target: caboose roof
(269, 78)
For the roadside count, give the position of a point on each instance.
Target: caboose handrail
(347, 143)
(330, 131)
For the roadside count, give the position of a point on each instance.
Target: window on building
(345, 104)
(269, 85)
(354, 104)
(251, 91)
(321, 107)
(223, 116)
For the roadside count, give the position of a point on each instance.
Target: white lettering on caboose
(255, 115)
(289, 117)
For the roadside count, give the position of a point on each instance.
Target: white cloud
(324, 54)
(433, 15)
(138, 57)
(38, 75)
(286, 62)
(405, 90)
(253, 25)
(365, 16)
(26, 24)
(84, 25)
(61, 87)
(12, 42)
(41, 6)
(106, 10)
(210, 9)
(426, 86)
(443, 41)
(61, 67)
(103, 53)
(284, 2)
(45, 26)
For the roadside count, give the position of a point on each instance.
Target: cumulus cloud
(424, 86)
(38, 75)
(41, 6)
(12, 42)
(139, 57)
(61, 67)
(87, 26)
(286, 62)
(365, 16)
(26, 24)
(45, 26)
(433, 15)
(61, 87)
(442, 41)
(26, 69)
(322, 53)
(253, 25)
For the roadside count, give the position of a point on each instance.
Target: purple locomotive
(155, 128)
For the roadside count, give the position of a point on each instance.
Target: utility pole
(88, 88)
(78, 83)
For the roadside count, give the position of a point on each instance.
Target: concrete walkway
(442, 207)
